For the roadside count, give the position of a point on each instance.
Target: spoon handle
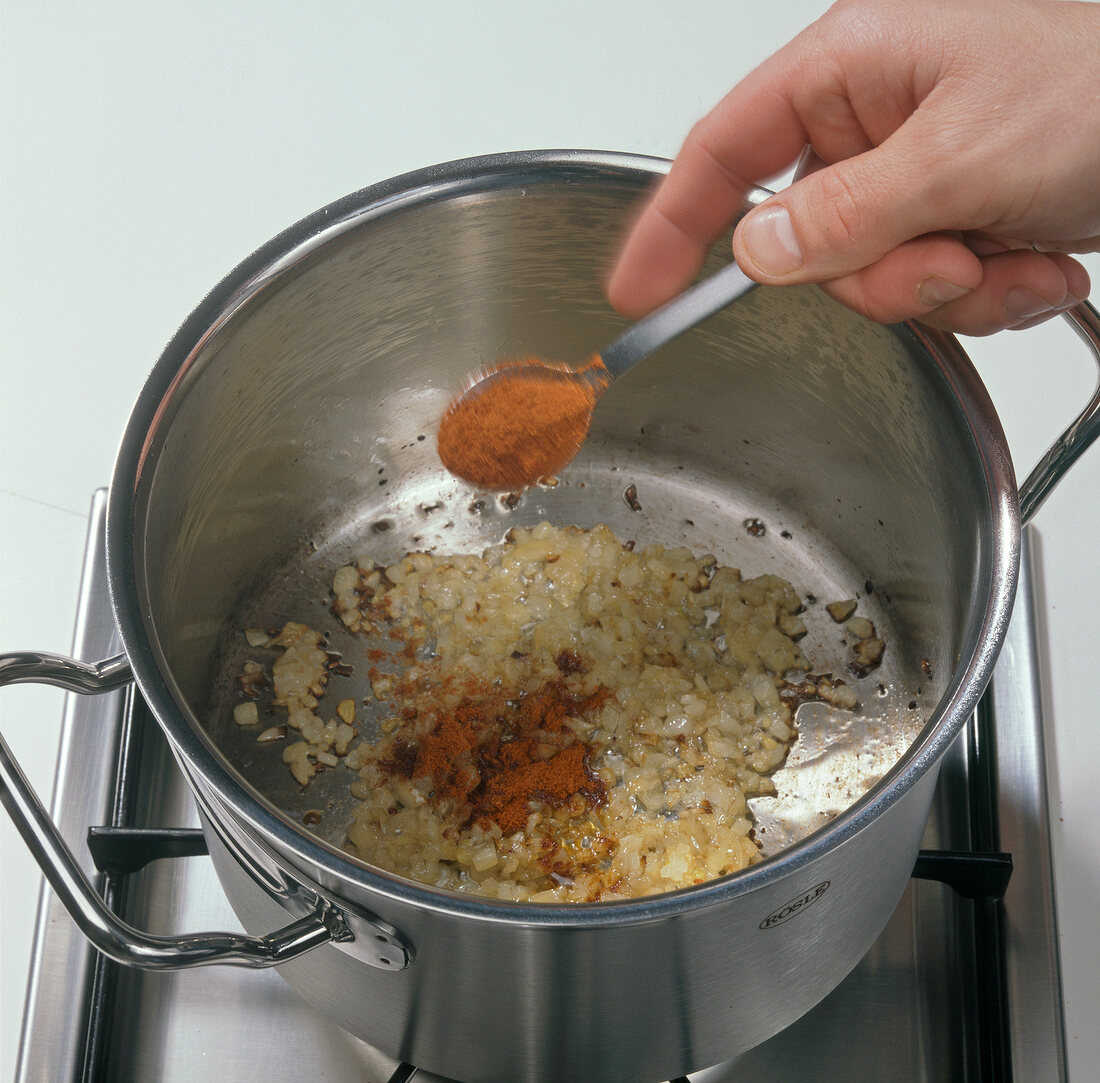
(679, 315)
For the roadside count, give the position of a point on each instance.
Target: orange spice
(525, 422)
(489, 759)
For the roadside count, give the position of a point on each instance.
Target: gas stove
(962, 984)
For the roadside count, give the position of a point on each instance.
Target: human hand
(959, 154)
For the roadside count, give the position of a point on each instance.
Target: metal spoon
(522, 420)
(671, 320)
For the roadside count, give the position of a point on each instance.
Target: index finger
(749, 136)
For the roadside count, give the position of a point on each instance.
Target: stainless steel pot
(289, 424)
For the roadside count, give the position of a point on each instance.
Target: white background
(147, 148)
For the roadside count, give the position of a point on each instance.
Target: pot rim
(997, 560)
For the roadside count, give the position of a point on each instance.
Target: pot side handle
(1084, 429)
(96, 921)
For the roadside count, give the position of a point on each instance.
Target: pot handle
(96, 921)
(1084, 429)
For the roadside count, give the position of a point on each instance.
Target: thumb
(839, 219)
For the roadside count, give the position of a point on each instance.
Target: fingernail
(768, 238)
(1021, 303)
(934, 291)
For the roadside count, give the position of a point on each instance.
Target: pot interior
(296, 432)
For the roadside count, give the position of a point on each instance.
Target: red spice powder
(525, 422)
(489, 758)
(511, 783)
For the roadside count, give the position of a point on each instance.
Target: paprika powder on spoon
(520, 421)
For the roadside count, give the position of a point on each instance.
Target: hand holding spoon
(521, 420)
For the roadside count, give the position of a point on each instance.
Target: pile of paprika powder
(490, 759)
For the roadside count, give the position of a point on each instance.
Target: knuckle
(676, 224)
(837, 215)
(706, 139)
(858, 294)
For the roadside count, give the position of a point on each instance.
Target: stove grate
(119, 851)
